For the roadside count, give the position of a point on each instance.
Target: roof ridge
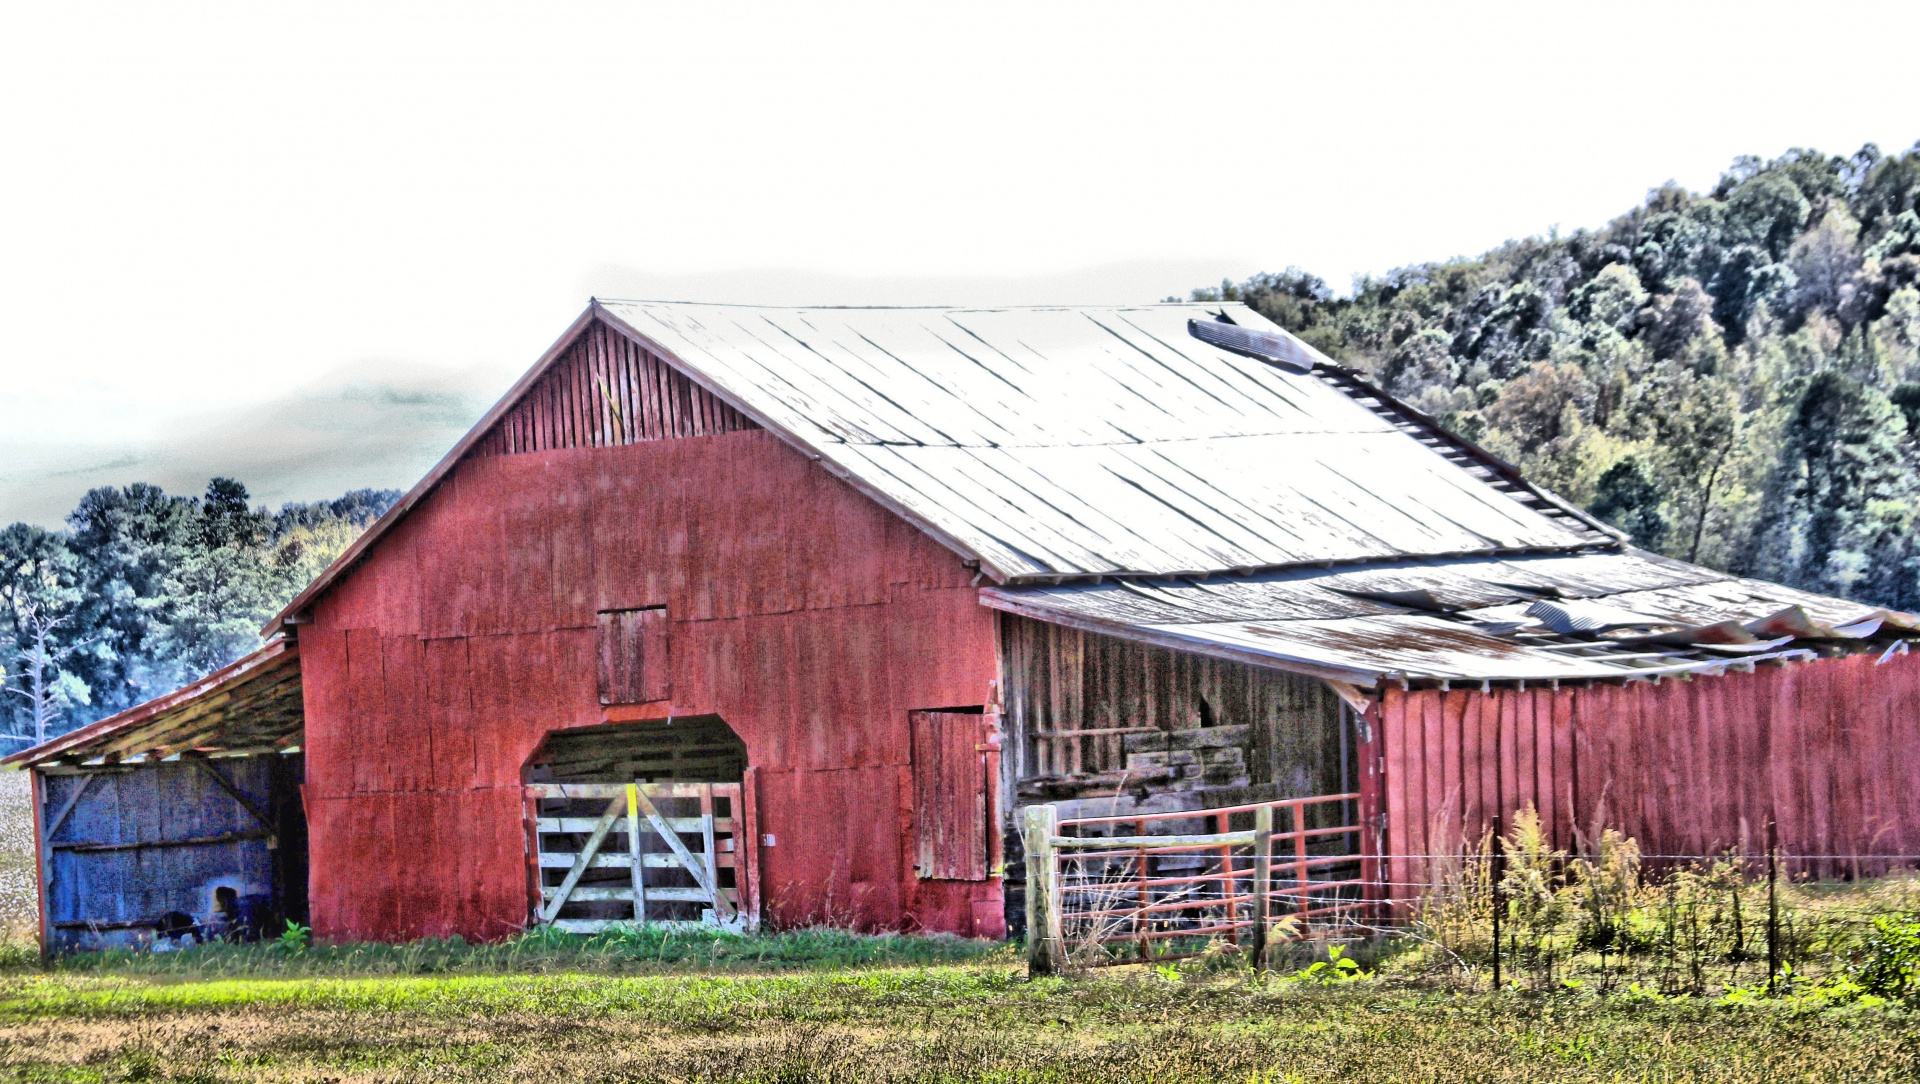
(1051, 307)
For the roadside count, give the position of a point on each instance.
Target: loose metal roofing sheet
(1443, 620)
(1071, 441)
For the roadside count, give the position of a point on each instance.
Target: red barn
(838, 589)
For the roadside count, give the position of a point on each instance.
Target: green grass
(830, 1006)
(621, 950)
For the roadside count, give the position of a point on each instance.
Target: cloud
(384, 424)
(379, 425)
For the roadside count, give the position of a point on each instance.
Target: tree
(39, 594)
(1843, 489)
(1629, 498)
(224, 587)
(1695, 422)
(1665, 365)
(1826, 266)
(127, 541)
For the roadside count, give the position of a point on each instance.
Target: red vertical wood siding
(1828, 748)
(604, 391)
(806, 616)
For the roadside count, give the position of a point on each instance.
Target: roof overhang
(250, 706)
(1517, 619)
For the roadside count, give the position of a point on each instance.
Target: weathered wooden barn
(733, 614)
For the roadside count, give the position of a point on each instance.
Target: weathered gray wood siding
(98, 897)
(1261, 734)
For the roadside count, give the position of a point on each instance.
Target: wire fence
(1284, 881)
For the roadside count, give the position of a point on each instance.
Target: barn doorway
(648, 822)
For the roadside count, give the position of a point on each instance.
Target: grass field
(828, 1006)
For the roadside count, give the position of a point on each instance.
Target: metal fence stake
(1497, 873)
(1773, 905)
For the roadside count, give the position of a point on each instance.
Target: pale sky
(306, 245)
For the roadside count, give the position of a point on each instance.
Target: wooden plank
(155, 844)
(1390, 730)
(620, 860)
(613, 790)
(601, 925)
(247, 803)
(636, 857)
(42, 859)
(746, 806)
(581, 860)
(689, 825)
(1523, 785)
(1565, 816)
(586, 893)
(1424, 714)
(706, 843)
(66, 808)
(1451, 800)
(622, 893)
(701, 874)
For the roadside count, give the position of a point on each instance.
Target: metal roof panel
(1070, 441)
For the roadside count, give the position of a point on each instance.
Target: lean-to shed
(835, 590)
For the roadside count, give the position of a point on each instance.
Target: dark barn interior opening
(1102, 726)
(174, 852)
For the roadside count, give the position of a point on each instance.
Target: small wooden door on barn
(955, 773)
(650, 822)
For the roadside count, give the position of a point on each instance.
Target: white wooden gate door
(608, 854)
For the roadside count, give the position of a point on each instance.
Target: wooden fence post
(1043, 912)
(1262, 879)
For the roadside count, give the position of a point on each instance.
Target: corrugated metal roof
(1449, 620)
(1071, 441)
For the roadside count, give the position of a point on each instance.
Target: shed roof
(252, 705)
(1525, 618)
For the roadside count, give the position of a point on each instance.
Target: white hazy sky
(306, 245)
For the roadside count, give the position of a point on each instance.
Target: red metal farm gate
(1149, 887)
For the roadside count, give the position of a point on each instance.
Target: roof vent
(1281, 350)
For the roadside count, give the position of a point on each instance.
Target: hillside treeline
(145, 590)
(1733, 377)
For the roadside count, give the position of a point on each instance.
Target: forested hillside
(145, 590)
(1732, 377)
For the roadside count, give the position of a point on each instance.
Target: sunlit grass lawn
(829, 1006)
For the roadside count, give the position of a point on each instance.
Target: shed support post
(1043, 912)
(1262, 879)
